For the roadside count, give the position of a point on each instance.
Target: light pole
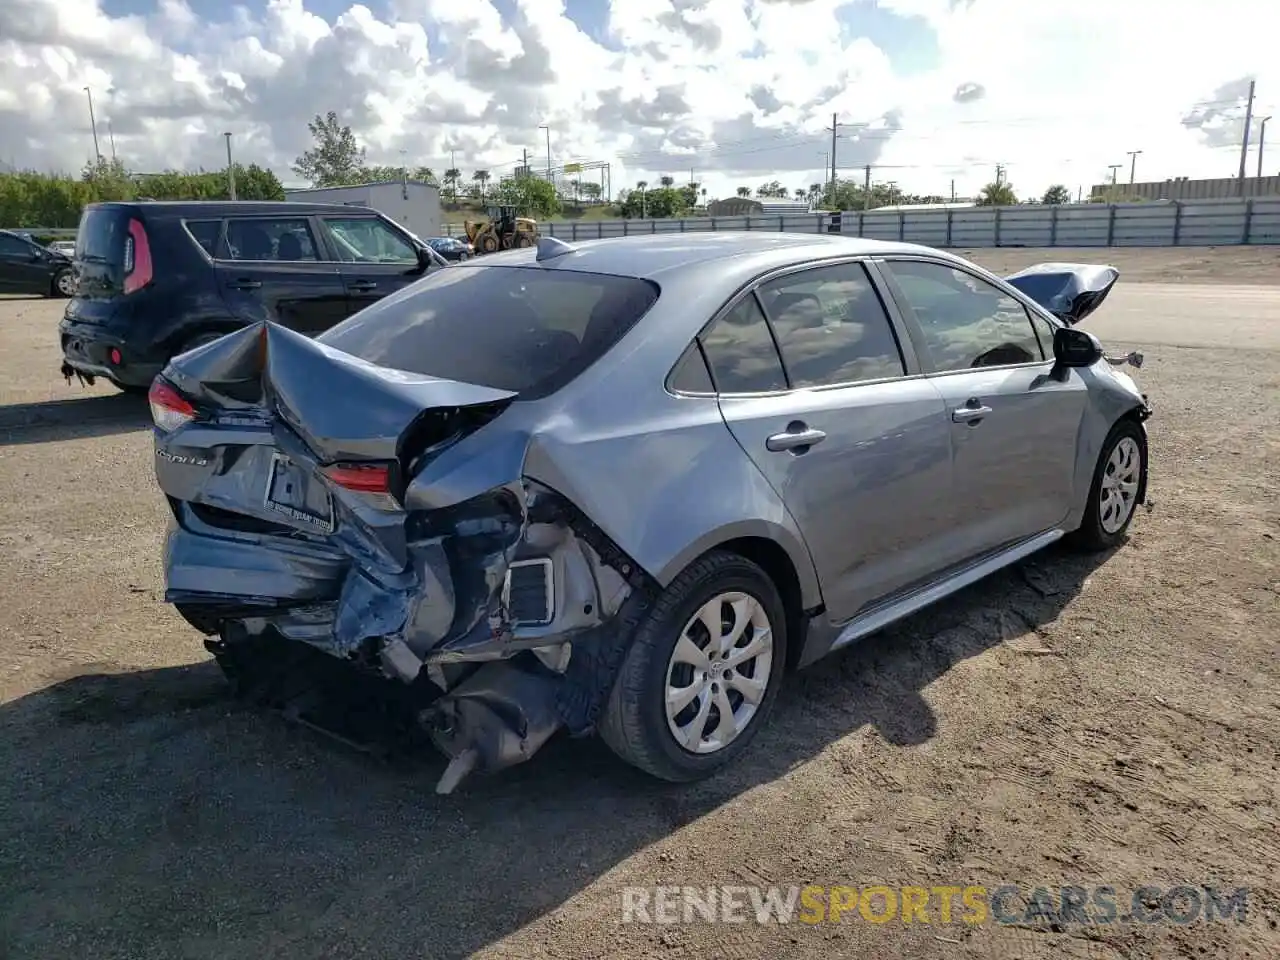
(1133, 164)
(1262, 141)
(112, 137)
(97, 154)
(543, 126)
(231, 170)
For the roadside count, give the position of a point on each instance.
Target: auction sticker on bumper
(291, 492)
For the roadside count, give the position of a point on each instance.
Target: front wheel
(524, 240)
(1117, 481)
(702, 673)
(64, 283)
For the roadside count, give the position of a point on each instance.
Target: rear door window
(14, 247)
(369, 240)
(741, 351)
(525, 329)
(286, 239)
(831, 326)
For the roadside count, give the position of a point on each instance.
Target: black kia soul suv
(155, 279)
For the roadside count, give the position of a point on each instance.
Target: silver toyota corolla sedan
(625, 486)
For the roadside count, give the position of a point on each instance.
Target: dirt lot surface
(1073, 721)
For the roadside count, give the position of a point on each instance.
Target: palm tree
(997, 195)
(425, 174)
(577, 188)
(642, 184)
(667, 182)
(800, 193)
(744, 191)
(451, 177)
(481, 177)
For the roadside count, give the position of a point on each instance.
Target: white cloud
(738, 90)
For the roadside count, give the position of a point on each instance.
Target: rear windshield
(101, 236)
(524, 329)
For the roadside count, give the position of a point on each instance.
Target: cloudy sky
(738, 91)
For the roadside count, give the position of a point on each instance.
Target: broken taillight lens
(360, 477)
(169, 408)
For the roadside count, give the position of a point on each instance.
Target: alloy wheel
(66, 284)
(1119, 489)
(718, 672)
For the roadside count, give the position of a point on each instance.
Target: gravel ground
(1073, 721)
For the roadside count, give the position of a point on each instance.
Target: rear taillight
(137, 257)
(360, 477)
(169, 408)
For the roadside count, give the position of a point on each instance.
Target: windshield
(101, 236)
(523, 329)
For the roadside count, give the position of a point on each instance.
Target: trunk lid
(291, 440)
(112, 260)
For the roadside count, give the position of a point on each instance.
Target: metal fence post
(600, 229)
(1053, 225)
(997, 228)
(626, 230)
(748, 223)
(653, 226)
(782, 224)
(682, 225)
(1111, 223)
(1247, 233)
(949, 212)
(1177, 222)
(862, 219)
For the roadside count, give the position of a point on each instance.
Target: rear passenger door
(819, 395)
(270, 268)
(374, 258)
(1013, 426)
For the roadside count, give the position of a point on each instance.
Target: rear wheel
(488, 243)
(703, 672)
(1117, 479)
(64, 284)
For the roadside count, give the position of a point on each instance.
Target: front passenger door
(375, 259)
(1013, 426)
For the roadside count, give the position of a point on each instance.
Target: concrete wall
(1157, 224)
(1223, 188)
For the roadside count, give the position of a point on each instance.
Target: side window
(831, 326)
(741, 352)
(966, 321)
(368, 240)
(13, 247)
(1044, 333)
(690, 374)
(205, 233)
(271, 238)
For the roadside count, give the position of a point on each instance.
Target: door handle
(969, 414)
(362, 286)
(796, 437)
(244, 284)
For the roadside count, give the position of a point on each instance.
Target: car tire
(1121, 467)
(638, 722)
(62, 284)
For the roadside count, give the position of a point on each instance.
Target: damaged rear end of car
(363, 550)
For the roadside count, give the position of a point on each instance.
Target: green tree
(336, 159)
(744, 191)
(591, 191)
(771, 189)
(531, 196)
(481, 177)
(425, 174)
(451, 178)
(997, 194)
(667, 181)
(662, 202)
(1057, 194)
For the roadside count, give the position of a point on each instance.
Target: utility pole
(1113, 168)
(999, 174)
(835, 126)
(231, 170)
(1244, 144)
(548, 129)
(953, 191)
(866, 187)
(524, 164)
(1262, 142)
(112, 137)
(97, 154)
(1133, 164)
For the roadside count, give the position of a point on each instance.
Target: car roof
(662, 254)
(230, 208)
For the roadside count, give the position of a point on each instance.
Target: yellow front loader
(502, 231)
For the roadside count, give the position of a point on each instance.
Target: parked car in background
(65, 247)
(625, 485)
(154, 279)
(27, 267)
(451, 248)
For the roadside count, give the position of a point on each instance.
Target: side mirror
(425, 262)
(1073, 347)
